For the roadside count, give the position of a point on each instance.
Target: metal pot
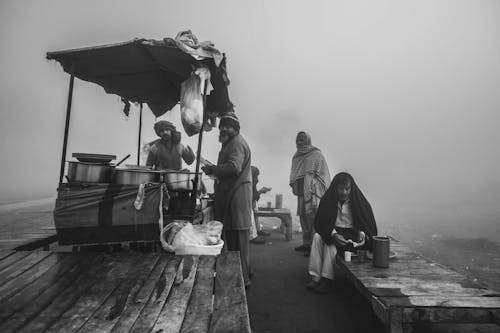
(136, 177)
(180, 180)
(89, 172)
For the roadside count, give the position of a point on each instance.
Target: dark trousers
(239, 240)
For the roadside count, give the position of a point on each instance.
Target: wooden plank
(449, 315)
(172, 315)
(22, 265)
(380, 309)
(230, 303)
(444, 301)
(10, 260)
(410, 286)
(5, 254)
(149, 314)
(459, 328)
(199, 310)
(395, 324)
(28, 294)
(65, 301)
(72, 319)
(138, 300)
(399, 269)
(107, 315)
(50, 296)
(26, 275)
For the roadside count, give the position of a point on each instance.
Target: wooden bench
(284, 215)
(121, 292)
(416, 290)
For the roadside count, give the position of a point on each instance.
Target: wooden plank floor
(416, 289)
(45, 291)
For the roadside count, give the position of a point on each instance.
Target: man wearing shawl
(233, 189)
(168, 151)
(309, 179)
(344, 220)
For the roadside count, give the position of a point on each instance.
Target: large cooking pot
(136, 176)
(90, 172)
(180, 180)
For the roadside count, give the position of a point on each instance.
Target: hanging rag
(141, 196)
(187, 42)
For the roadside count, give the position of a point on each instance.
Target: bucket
(381, 246)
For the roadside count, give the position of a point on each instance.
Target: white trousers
(321, 259)
(253, 229)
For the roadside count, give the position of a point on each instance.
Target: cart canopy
(144, 71)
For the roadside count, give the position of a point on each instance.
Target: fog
(403, 95)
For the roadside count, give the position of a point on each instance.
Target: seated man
(344, 216)
(168, 151)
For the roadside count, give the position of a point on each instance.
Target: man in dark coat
(344, 220)
(233, 189)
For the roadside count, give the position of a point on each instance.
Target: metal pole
(139, 140)
(66, 127)
(198, 153)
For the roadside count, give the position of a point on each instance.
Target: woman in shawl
(345, 222)
(309, 179)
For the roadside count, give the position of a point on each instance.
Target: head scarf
(230, 119)
(362, 214)
(162, 125)
(307, 147)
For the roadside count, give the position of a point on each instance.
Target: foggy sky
(404, 95)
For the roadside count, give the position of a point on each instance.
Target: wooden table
(417, 290)
(284, 215)
(121, 292)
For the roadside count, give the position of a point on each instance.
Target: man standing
(168, 151)
(233, 189)
(309, 179)
(259, 233)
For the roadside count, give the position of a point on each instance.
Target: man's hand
(264, 190)
(208, 169)
(339, 240)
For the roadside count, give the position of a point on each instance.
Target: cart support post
(139, 139)
(198, 153)
(66, 127)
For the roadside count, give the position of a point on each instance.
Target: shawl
(362, 214)
(309, 164)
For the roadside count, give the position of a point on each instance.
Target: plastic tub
(200, 250)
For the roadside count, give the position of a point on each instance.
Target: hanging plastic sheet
(192, 100)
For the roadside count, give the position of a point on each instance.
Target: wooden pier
(121, 292)
(416, 291)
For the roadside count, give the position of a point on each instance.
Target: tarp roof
(141, 70)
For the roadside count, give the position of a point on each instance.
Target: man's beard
(224, 137)
(166, 138)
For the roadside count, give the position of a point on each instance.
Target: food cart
(99, 203)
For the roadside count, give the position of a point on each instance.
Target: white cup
(347, 256)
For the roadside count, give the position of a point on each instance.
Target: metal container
(136, 177)
(89, 172)
(180, 180)
(381, 247)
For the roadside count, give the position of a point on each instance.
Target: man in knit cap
(233, 189)
(168, 151)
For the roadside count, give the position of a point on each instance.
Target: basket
(200, 250)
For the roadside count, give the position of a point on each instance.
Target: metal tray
(94, 158)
